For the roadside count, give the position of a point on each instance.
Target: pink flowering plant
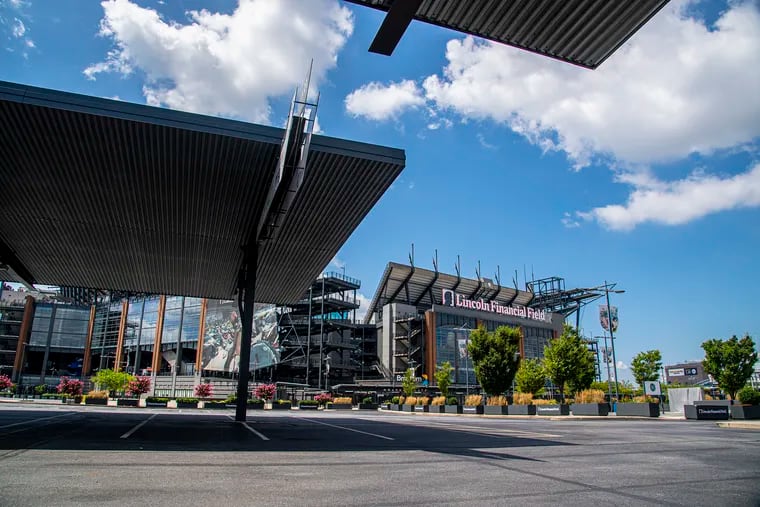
(70, 387)
(5, 382)
(204, 390)
(139, 385)
(265, 391)
(323, 398)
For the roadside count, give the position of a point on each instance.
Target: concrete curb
(741, 425)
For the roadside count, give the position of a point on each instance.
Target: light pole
(608, 287)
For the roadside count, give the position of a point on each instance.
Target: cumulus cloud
(678, 202)
(677, 87)
(381, 102)
(18, 30)
(364, 303)
(226, 64)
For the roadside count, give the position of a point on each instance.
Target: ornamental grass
(497, 401)
(423, 400)
(438, 400)
(401, 400)
(644, 399)
(590, 396)
(473, 400)
(522, 398)
(97, 395)
(544, 402)
(345, 400)
(410, 400)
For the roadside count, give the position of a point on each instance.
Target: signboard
(712, 412)
(676, 372)
(652, 388)
(451, 298)
(608, 317)
(690, 371)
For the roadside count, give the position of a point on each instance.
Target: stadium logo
(453, 299)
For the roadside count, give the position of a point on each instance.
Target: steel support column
(246, 293)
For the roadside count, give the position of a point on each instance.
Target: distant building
(688, 373)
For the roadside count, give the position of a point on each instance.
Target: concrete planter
(593, 409)
(407, 408)
(215, 405)
(126, 402)
(155, 404)
(638, 409)
(437, 409)
(452, 409)
(422, 408)
(707, 412)
(96, 401)
(745, 411)
(278, 406)
(340, 406)
(368, 406)
(552, 409)
(308, 407)
(186, 404)
(478, 409)
(496, 410)
(522, 410)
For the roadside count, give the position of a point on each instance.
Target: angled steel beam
(429, 287)
(394, 25)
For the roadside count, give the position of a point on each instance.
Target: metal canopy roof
(110, 195)
(582, 32)
(402, 283)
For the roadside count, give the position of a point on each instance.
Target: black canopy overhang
(581, 32)
(106, 194)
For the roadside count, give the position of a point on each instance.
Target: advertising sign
(608, 317)
(652, 388)
(222, 334)
(451, 298)
(676, 372)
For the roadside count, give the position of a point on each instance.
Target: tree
(495, 357)
(111, 380)
(408, 384)
(730, 362)
(645, 366)
(567, 360)
(530, 377)
(443, 377)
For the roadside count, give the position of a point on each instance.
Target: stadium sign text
(451, 298)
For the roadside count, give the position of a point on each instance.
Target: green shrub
(309, 402)
(40, 389)
(155, 399)
(368, 400)
(253, 401)
(187, 400)
(283, 402)
(451, 400)
(394, 400)
(749, 396)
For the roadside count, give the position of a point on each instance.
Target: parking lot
(83, 456)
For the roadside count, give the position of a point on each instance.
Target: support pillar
(23, 338)
(246, 293)
(120, 339)
(87, 359)
(201, 336)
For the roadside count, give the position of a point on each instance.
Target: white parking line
(129, 433)
(348, 429)
(258, 434)
(35, 420)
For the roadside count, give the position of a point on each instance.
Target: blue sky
(644, 172)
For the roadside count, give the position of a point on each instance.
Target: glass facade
(105, 335)
(452, 335)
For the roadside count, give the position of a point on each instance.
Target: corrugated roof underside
(96, 201)
(583, 32)
(337, 193)
(99, 202)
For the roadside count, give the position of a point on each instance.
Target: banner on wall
(222, 334)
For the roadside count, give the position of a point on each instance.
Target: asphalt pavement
(72, 456)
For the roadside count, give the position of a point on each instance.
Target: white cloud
(411, 186)
(621, 365)
(678, 202)
(677, 87)
(364, 303)
(485, 144)
(337, 263)
(227, 64)
(18, 30)
(569, 221)
(381, 102)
